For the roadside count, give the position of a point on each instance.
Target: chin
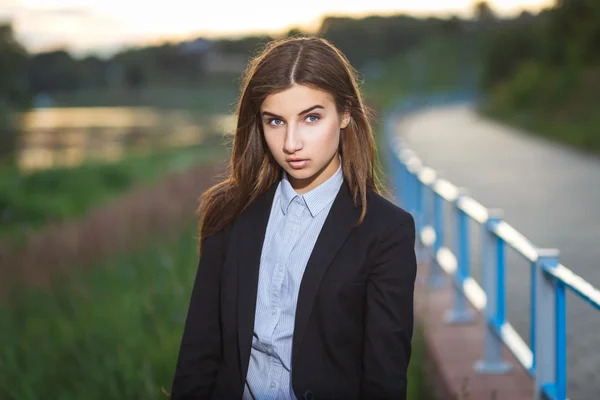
(299, 174)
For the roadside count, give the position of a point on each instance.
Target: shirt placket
(290, 230)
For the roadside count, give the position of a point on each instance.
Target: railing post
(413, 167)
(533, 313)
(461, 313)
(419, 208)
(399, 170)
(399, 180)
(426, 232)
(550, 334)
(436, 277)
(421, 219)
(406, 181)
(492, 271)
(393, 147)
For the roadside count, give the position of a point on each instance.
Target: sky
(101, 26)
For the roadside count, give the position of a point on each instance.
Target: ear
(345, 120)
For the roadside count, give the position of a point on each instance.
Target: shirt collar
(317, 198)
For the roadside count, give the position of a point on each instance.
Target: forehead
(295, 99)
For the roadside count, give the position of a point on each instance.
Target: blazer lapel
(253, 227)
(338, 224)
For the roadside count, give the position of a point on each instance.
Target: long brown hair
(308, 61)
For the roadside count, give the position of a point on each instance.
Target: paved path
(548, 192)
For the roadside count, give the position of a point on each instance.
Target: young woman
(304, 288)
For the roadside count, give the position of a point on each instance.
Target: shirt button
(273, 311)
(273, 385)
(280, 268)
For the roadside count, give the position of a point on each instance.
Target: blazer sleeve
(200, 349)
(389, 312)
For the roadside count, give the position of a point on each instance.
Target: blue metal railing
(424, 194)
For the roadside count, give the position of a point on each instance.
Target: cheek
(325, 137)
(273, 142)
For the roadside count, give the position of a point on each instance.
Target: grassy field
(578, 133)
(112, 331)
(419, 380)
(29, 201)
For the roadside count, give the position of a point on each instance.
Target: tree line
(528, 59)
(362, 40)
(544, 73)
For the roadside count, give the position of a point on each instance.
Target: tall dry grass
(145, 211)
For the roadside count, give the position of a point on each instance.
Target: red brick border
(454, 349)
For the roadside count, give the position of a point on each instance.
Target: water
(50, 137)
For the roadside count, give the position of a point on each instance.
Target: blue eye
(274, 119)
(313, 116)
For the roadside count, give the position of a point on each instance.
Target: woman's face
(302, 129)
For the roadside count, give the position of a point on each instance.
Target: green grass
(29, 201)
(578, 133)
(419, 380)
(110, 331)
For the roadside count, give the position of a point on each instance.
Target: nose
(292, 141)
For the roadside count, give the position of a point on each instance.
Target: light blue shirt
(292, 230)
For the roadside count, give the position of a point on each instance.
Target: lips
(297, 163)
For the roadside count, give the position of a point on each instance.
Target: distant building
(197, 46)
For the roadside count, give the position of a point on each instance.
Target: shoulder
(393, 230)
(384, 212)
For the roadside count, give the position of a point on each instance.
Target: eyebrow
(300, 113)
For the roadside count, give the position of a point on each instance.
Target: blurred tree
(506, 49)
(13, 58)
(294, 32)
(452, 26)
(13, 90)
(168, 58)
(376, 37)
(94, 71)
(249, 45)
(484, 12)
(364, 41)
(573, 32)
(135, 77)
(544, 71)
(55, 71)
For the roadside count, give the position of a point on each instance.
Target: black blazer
(354, 316)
